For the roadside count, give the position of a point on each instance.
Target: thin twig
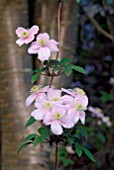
(56, 157)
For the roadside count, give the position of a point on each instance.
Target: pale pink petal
(60, 110)
(48, 118)
(37, 114)
(82, 117)
(76, 117)
(68, 91)
(28, 39)
(33, 49)
(33, 30)
(53, 94)
(44, 36)
(67, 99)
(20, 42)
(30, 99)
(74, 114)
(20, 31)
(44, 53)
(67, 121)
(56, 128)
(38, 105)
(41, 96)
(82, 99)
(52, 45)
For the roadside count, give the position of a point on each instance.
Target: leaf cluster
(56, 68)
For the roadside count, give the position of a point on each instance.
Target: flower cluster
(43, 46)
(58, 108)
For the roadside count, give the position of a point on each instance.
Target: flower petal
(45, 36)
(82, 117)
(33, 30)
(56, 128)
(29, 39)
(19, 31)
(34, 48)
(44, 53)
(30, 99)
(38, 114)
(20, 42)
(52, 45)
(67, 121)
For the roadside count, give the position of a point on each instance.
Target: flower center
(47, 105)
(79, 106)
(42, 42)
(34, 89)
(79, 91)
(57, 115)
(55, 99)
(25, 34)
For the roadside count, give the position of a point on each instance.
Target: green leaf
(44, 132)
(38, 140)
(79, 151)
(67, 70)
(78, 68)
(83, 131)
(101, 137)
(66, 60)
(30, 122)
(35, 77)
(23, 145)
(30, 137)
(89, 154)
(37, 70)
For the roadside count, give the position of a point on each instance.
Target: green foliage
(44, 133)
(63, 156)
(30, 137)
(35, 77)
(78, 68)
(79, 151)
(30, 122)
(106, 97)
(89, 154)
(23, 145)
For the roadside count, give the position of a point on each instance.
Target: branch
(100, 29)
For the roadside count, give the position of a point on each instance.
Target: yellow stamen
(25, 34)
(55, 99)
(34, 89)
(57, 115)
(79, 91)
(47, 105)
(79, 106)
(42, 42)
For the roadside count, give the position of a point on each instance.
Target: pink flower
(43, 46)
(26, 35)
(77, 108)
(74, 92)
(38, 93)
(58, 118)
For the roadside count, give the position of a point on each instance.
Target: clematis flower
(58, 118)
(78, 107)
(26, 35)
(37, 93)
(74, 92)
(43, 46)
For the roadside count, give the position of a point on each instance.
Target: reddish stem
(59, 35)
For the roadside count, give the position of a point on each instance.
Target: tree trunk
(15, 75)
(46, 18)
